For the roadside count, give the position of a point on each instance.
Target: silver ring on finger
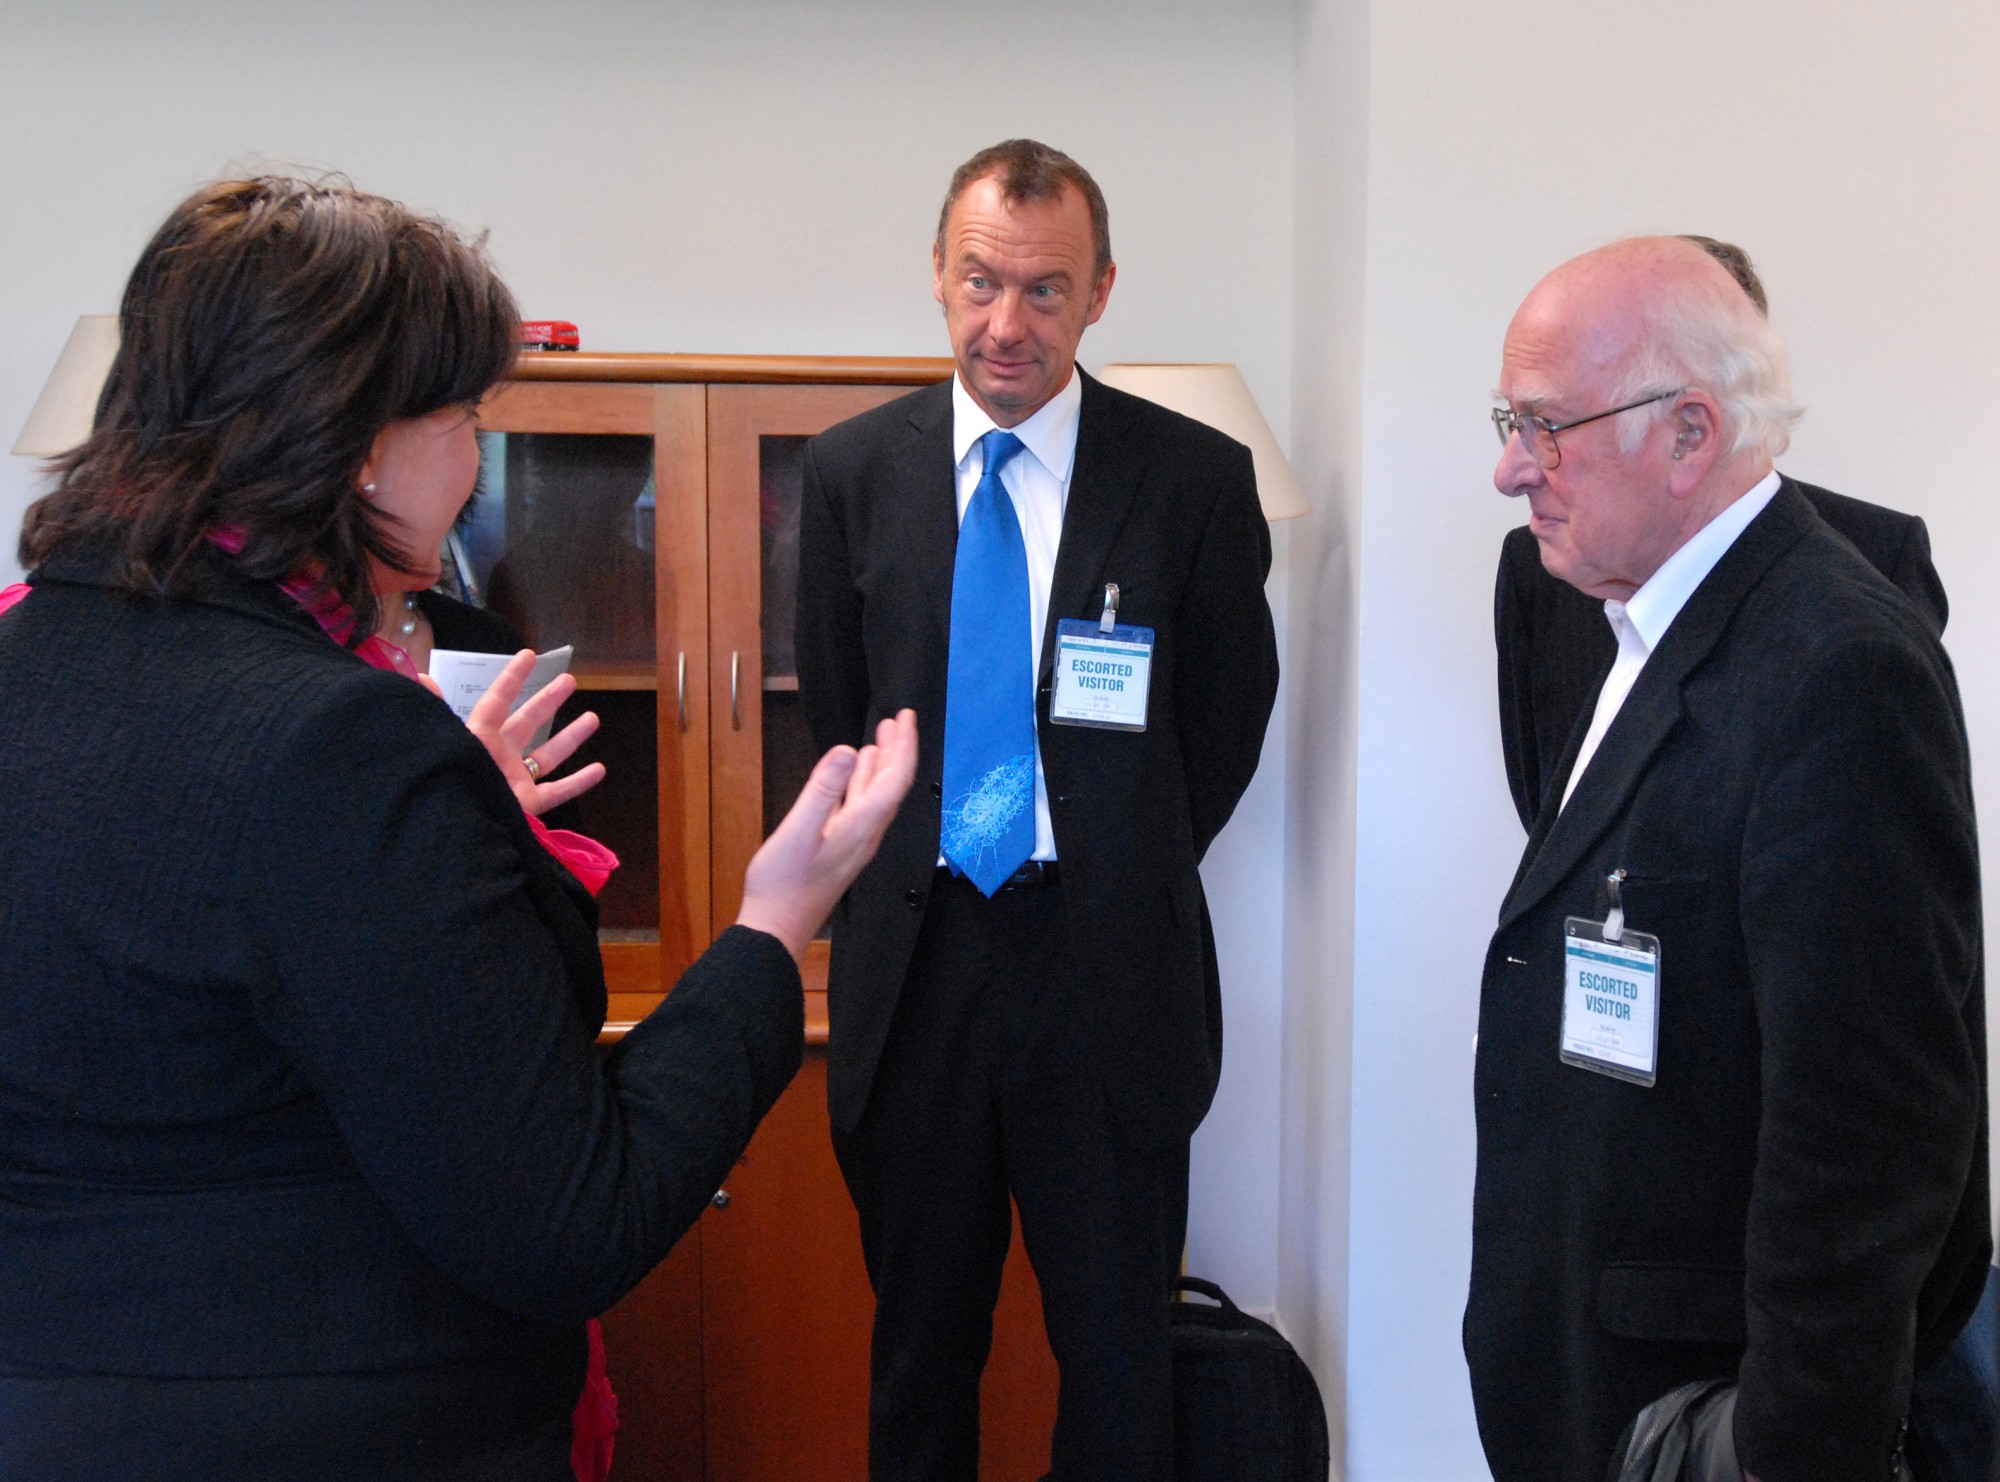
(534, 768)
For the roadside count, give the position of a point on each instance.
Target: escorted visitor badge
(1611, 995)
(1102, 671)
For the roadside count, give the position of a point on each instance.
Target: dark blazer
(1803, 1195)
(468, 629)
(1166, 508)
(1555, 647)
(296, 1022)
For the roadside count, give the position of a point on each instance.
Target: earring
(370, 488)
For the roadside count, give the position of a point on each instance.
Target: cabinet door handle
(681, 687)
(735, 676)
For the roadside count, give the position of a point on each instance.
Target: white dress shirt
(1642, 622)
(1037, 480)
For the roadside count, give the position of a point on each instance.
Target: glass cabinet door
(588, 530)
(761, 752)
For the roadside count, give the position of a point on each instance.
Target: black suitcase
(1246, 1408)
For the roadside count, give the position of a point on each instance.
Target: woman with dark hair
(308, 1166)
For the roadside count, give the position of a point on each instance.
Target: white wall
(1854, 152)
(756, 177)
(1330, 338)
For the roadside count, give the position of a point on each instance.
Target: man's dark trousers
(931, 1166)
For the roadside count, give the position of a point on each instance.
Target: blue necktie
(989, 707)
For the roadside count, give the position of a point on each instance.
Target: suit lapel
(1563, 836)
(930, 494)
(1101, 488)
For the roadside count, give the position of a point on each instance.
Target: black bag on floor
(1246, 1408)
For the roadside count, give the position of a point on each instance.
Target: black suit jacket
(296, 1022)
(1163, 506)
(1554, 646)
(1802, 1196)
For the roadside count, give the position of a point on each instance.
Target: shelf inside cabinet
(630, 1003)
(610, 674)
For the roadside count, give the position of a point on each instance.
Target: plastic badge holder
(1611, 995)
(1101, 679)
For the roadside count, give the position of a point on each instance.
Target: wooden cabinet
(644, 508)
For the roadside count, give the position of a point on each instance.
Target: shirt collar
(1652, 609)
(1050, 434)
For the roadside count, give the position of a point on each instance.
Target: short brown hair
(1737, 261)
(1031, 171)
(271, 329)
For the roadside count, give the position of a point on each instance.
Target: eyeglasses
(1538, 434)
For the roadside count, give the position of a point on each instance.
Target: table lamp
(1215, 393)
(67, 407)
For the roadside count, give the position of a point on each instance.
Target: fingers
(521, 725)
(825, 789)
(538, 709)
(554, 794)
(864, 771)
(899, 744)
(493, 707)
(882, 776)
(804, 824)
(560, 747)
(537, 796)
(895, 764)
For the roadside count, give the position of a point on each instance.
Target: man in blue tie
(1067, 584)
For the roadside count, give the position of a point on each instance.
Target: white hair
(1698, 339)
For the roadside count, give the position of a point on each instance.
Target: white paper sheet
(465, 677)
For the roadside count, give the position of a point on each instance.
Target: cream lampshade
(67, 407)
(1215, 393)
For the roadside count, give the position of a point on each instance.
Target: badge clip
(1109, 621)
(1614, 919)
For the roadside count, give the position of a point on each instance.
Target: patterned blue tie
(989, 707)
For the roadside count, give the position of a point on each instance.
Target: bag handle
(1206, 1289)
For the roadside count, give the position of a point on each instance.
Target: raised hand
(832, 831)
(505, 733)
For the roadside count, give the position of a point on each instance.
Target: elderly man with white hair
(1731, 1039)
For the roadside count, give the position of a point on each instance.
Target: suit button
(914, 897)
(937, 791)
